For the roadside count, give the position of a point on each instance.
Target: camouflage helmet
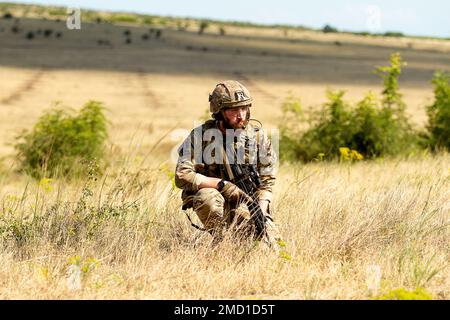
(229, 94)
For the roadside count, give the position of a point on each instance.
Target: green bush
(393, 34)
(293, 115)
(148, 21)
(329, 29)
(202, 27)
(60, 12)
(438, 127)
(372, 128)
(124, 18)
(60, 142)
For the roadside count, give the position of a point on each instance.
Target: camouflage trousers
(216, 215)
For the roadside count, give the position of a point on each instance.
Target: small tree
(391, 94)
(329, 29)
(439, 113)
(393, 106)
(202, 27)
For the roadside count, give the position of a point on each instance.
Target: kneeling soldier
(226, 168)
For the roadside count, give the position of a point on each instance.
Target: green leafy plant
(329, 29)
(60, 141)
(57, 11)
(123, 18)
(202, 27)
(393, 34)
(370, 129)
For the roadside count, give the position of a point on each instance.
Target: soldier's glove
(232, 193)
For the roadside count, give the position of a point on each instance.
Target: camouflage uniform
(211, 207)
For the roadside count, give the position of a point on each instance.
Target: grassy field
(133, 241)
(123, 230)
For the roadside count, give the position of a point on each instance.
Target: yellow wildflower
(356, 155)
(45, 184)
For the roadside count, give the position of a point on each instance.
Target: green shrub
(148, 21)
(329, 29)
(163, 21)
(438, 127)
(401, 135)
(60, 142)
(393, 34)
(327, 133)
(202, 27)
(124, 18)
(57, 12)
(293, 115)
(372, 128)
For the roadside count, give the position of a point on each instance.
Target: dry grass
(337, 219)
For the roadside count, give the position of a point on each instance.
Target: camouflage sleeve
(267, 162)
(186, 177)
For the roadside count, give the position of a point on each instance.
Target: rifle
(246, 177)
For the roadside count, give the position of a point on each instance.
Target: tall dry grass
(126, 235)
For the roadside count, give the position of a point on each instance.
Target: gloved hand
(232, 193)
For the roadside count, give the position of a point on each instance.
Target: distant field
(155, 83)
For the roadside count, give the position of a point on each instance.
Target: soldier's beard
(238, 125)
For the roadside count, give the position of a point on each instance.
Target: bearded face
(235, 118)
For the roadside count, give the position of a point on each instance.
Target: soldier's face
(235, 117)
